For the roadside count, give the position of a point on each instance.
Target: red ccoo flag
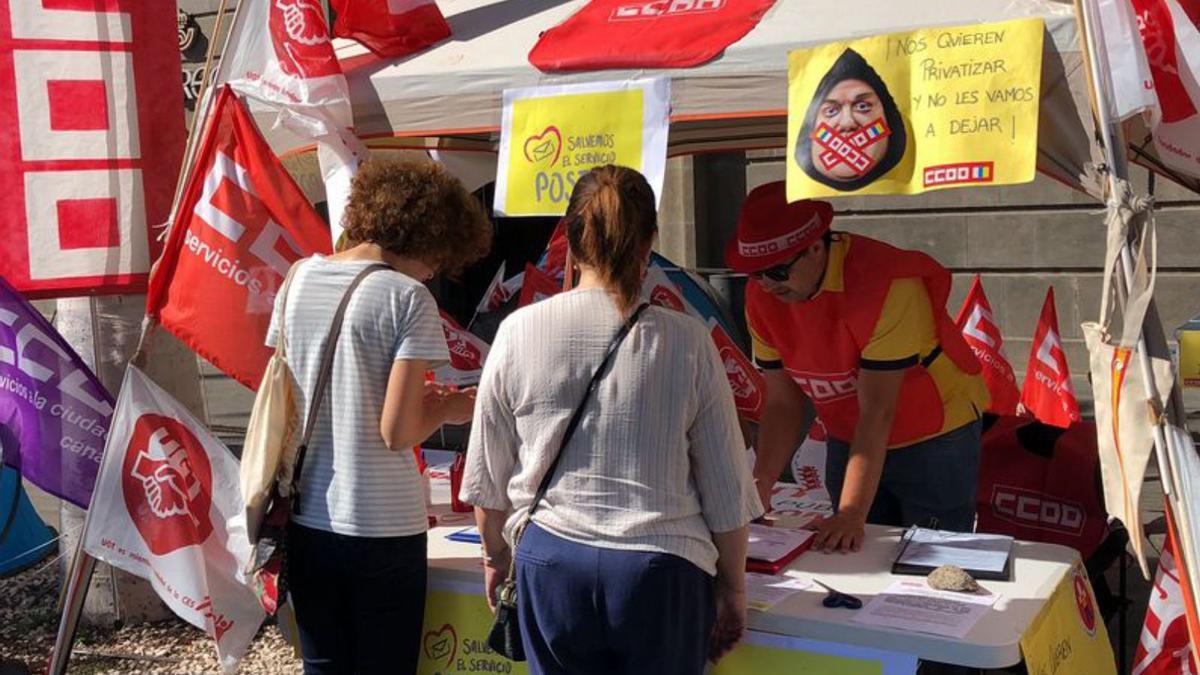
(979, 329)
(391, 28)
(1048, 394)
(241, 224)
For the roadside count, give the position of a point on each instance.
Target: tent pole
(1112, 138)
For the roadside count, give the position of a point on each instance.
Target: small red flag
(241, 224)
(391, 28)
(979, 329)
(1048, 394)
(537, 286)
(1164, 647)
(642, 34)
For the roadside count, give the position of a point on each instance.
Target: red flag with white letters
(749, 387)
(979, 329)
(646, 34)
(1164, 647)
(1048, 394)
(467, 354)
(391, 28)
(241, 224)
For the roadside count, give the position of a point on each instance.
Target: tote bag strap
(323, 373)
(280, 343)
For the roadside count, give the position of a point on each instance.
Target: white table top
(994, 642)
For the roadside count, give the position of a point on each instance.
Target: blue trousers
(585, 609)
(930, 484)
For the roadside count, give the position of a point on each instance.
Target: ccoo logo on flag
(166, 480)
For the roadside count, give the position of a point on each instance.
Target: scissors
(837, 599)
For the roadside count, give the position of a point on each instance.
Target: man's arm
(786, 416)
(878, 391)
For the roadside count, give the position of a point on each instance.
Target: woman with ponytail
(633, 559)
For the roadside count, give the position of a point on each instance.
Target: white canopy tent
(453, 91)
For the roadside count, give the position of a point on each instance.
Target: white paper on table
(912, 605)
(976, 552)
(764, 591)
(770, 544)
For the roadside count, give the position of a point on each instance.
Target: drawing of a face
(849, 107)
(853, 132)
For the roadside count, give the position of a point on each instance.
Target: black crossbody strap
(326, 367)
(578, 414)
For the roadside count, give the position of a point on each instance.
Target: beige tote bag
(272, 435)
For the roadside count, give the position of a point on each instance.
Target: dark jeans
(585, 609)
(360, 601)
(931, 483)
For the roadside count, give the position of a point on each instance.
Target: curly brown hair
(418, 210)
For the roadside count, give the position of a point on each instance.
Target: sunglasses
(779, 273)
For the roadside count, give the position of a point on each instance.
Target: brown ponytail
(611, 222)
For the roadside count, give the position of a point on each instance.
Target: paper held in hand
(772, 548)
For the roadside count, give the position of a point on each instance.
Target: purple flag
(54, 413)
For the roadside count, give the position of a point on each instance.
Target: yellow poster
(1189, 353)
(1069, 636)
(457, 622)
(909, 112)
(550, 136)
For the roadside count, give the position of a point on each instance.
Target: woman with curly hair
(357, 547)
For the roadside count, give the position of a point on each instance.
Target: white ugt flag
(167, 508)
(280, 53)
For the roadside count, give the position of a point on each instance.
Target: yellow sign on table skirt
(1069, 635)
(908, 112)
(457, 622)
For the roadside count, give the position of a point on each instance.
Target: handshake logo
(167, 484)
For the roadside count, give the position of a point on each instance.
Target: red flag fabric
(749, 387)
(93, 136)
(1164, 648)
(241, 224)
(496, 294)
(1048, 394)
(979, 329)
(537, 286)
(390, 28)
(646, 34)
(467, 354)
(554, 259)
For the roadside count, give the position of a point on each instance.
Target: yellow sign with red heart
(550, 136)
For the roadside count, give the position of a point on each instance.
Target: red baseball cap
(771, 231)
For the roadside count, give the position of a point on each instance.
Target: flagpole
(1117, 170)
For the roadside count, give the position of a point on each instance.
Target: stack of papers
(772, 548)
(983, 556)
(764, 591)
(913, 606)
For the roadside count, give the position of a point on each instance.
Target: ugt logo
(166, 481)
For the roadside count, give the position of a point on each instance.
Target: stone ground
(29, 619)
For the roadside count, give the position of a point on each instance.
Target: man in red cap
(859, 330)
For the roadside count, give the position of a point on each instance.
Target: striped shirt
(351, 483)
(657, 463)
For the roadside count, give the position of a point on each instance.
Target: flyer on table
(909, 112)
(550, 136)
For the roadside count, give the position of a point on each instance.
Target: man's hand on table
(843, 531)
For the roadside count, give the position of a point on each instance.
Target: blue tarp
(28, 539)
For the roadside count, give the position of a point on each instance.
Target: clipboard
(971, 547)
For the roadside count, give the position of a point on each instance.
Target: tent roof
(735, 101)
